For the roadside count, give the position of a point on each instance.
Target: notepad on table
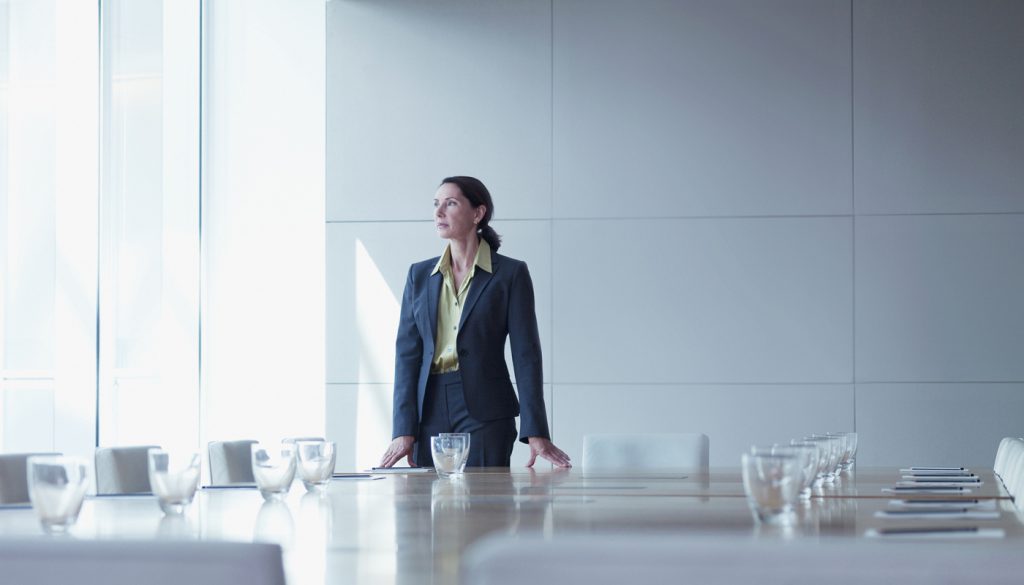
(356, 475)
(401, 470)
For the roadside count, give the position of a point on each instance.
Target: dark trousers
(444, 411)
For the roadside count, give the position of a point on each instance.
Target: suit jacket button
(463, 353)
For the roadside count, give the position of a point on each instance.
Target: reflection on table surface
(414, 528)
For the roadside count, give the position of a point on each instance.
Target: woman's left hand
(547, 450)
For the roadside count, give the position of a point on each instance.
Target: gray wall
(746, 218)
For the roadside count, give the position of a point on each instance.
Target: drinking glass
(57, 486)
(466, 436)
(830, 456)
(806, 454)
(315, 463)
(850, 450)
(450, 452)
(274, 469)
(174, 478)
(772, 483)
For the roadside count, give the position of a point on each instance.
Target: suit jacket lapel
(481, 278)
(433, 296)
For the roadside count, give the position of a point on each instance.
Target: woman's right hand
(399, 447)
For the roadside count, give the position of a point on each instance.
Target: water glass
(806, 454)
(174, 478)
(450, 452)
(772, 484)
(57, 486)
(819, 459)
(849, 451)
(315, 463)
(831, 451)
(274, 469)
(466, 436)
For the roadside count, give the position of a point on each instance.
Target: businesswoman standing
(450, 371)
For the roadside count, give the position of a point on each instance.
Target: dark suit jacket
(499, 305)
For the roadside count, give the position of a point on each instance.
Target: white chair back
(14, 477)
(152, 562)
(123, 470)
(231, 462)
(673, 452)
(607, 559)
(1013, 472)
(1002, 452)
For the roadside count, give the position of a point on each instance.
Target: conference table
(415, 527)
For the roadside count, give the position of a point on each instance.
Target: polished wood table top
(414, 528)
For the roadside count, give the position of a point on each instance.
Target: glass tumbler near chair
(273, 468)
(174, 478)
(56, 487)
(450, 452)
(772, 482)
(315, 463)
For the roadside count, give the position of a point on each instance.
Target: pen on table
(942, 529)
(927, 511)
(932, 502)
(915, 488)
(938, 468)
(940, 479)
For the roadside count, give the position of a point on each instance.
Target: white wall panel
(367, 267)
(737, 107)
(733, 417)
(742, 300)
(936, 424)
(939, 298)
(421, 90)
(939, 114)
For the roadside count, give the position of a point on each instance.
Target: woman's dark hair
(477, 194)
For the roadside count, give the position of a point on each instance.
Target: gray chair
(153, 562)
(14, 477)
(297, 439)
(231, 462)
(123, 470)
(670, 452)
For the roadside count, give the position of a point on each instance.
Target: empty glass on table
(849, 449)
(174, 478)
(450, 452)
(806, 454)
(772, 483)
(273, 467)
(315, 463)
(56, 487)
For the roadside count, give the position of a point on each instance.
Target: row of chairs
(125, 470)
(1009, 467)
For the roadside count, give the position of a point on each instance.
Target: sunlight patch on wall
(377, 310)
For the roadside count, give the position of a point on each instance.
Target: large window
(99, 223)
(104, 147)
(149, 223)
(48, 177)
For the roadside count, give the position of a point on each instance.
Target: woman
(450, 371)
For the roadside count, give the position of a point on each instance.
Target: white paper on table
(401, 470)
(938, 533)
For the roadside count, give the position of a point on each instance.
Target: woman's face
(454, 216)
